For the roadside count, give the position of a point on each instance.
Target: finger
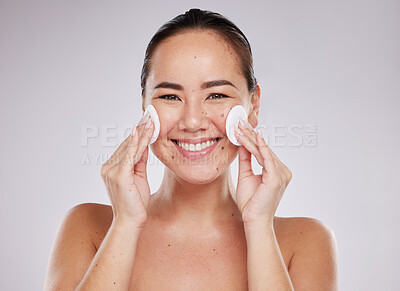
(143, 120)
(282, 167)
(142, 125)
(141, 172)
(251, 133)
(117, 156)
(144, 140)
(247, 129)
(250, 146)
(140, 168)
(127, 162)
(133, 152)
(245, 168)
(266, 154)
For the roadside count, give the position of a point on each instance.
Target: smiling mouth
(195, 147)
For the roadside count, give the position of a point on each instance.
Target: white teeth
(197, 147)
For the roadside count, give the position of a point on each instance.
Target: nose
(193, 117)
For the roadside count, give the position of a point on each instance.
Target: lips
(196, 148)
(195, 140)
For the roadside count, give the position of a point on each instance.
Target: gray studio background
(328, 70)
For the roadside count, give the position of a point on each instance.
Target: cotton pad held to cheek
(154, 118)
(238, 112)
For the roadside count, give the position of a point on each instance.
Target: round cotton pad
(232, 122)
(156, 121)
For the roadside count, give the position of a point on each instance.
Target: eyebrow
(205, 85)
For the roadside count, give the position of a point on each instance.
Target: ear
(142, 92)
(255, 107)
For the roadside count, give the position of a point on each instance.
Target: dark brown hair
(196, 19)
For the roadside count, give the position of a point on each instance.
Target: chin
(200, 173)
(196, 177)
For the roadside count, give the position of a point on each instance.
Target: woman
(197, 232)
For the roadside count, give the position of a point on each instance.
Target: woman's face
(191, 105)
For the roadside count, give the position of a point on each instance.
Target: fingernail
(246, 124)
(148, 123)
(243, 124)
(133, 130)
(260, 133)
(249, 125)
(238, 131)
(144, 118)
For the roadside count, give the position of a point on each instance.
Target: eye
(169, 97)
(211, 96)
(218, 96)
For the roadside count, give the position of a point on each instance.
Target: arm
(312, 267)
(265, 266)
(111, 268)
(258, 197)
(74, 263)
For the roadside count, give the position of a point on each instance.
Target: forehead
(195, 56)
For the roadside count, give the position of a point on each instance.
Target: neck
(189, 204)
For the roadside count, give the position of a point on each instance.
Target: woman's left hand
(258, 196)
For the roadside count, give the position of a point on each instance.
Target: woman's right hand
(125, 177)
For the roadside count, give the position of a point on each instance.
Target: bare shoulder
(299, 227)
(91, 208)
(303, 231)
(76, 243)
(90, 213)
(85, 217)
(93, 219)
(313, 264)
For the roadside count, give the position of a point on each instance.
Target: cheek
(167, 122)
(217, 116)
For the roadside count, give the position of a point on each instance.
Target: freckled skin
(190, 59)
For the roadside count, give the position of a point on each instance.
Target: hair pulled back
(197, 19)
